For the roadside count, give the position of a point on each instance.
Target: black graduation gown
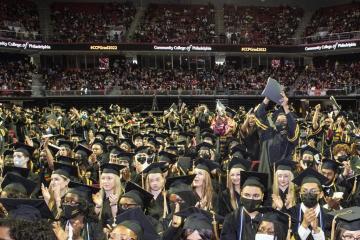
(92, 230)
(224, 205)
(156, 210)
(330, 190)
(324, 223)
(232, 225)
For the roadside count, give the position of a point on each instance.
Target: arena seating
(177, 24)
(261, 25)
(91, 22)
(19, 19)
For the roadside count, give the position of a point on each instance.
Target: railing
(320, 37)
(20, 35)
(14, 92)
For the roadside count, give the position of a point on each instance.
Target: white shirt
(305, 232)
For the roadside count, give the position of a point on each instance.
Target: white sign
(327, 47)
(25, 45)
(183, 48)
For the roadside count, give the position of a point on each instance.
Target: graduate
(309, 219)
(242, 224)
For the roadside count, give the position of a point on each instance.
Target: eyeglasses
(266, 231)
(311, 191)
(350, 237)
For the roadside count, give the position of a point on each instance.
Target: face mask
(262, 236)
(70, 211)
(281, 128)
(250, 204)
(308, 163)
(142, 159)
(19, 162)
(342, 158)
(205, 156)
(309, 200)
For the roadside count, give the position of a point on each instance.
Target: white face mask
(261, 236)
(19, 162)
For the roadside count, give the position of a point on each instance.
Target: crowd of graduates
(108, 173)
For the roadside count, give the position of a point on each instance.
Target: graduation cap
(23, 148)
(137, 135)
(135, 220)
(207, 165)
(100, 134)
(167, 157)
(273, 91)
(125, 156)
(181, 186)
(82, 190)
(53, 148)
(204, 146)
(26, 209)
(114, 150)
(127, 141)
(24, 172)
(111, 168)
(110, 135)
(184, 164)
(59, 137)
(309, 150)
(8, 152)
(348, 218)
(84, 150)
(142, 149)
(238, 162)
(65, 169)
(285, 164)
(156, 167)
(100, 143)
(276, 217)
(239, 150)
(309, 175)
(66, 144)
(199, 219)
(180, 180)
(153, 142)
(172, 149)
(66, 160)
(208, 135)
(230, 112)
(22, 184)
(254, 179)
(331, 164)
(138, 194)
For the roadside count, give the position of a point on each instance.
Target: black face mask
(308, 163)
(142, 159)
(70, 211)
(281, 128)
(343, 158)
(309, 200)
(205, 156)
(250, 204)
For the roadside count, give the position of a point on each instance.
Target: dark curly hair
(205, 234)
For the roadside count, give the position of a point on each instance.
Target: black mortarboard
(331, 164)
(181, 186)
(138, 194)
(111, 135)
(114, 150)
(53, 148)
(26, 209)
(66, 144)
(207, 165)
(111, 168)
(309, 175)
(142, 149)
(137, 135)
(208, 135)
(285, 164)
(25, 149)
(101, 143)
(238, 162)
(154, 142)
(205, 146)
(84, 149)
(198, 219)
(65, 169)
(82, 190)
(20, 183)
(185, 164)
(231, 113)
(348, 218)
(309, 150)
(59, 137)
(24, 172)
(135, 220)
(240, 149)
(254, 179)
(172, 149)
(157, 167)
(273, 91)
(125, 156)
(275, 216)
(167, 157)
(127, 141)
(100, 134)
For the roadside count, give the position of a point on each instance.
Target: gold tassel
(142, 180)
(214, 223)
(165, 209)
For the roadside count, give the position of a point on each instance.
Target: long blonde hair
(119, 190)
(51, 204)
(291, 187)
(163, 192)
(232, 191)
(207, 190)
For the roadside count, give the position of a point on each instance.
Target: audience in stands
(19, 19)
(92, 22)
(261, 25)
(326, 23)
(177, 24)
(16, 78)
